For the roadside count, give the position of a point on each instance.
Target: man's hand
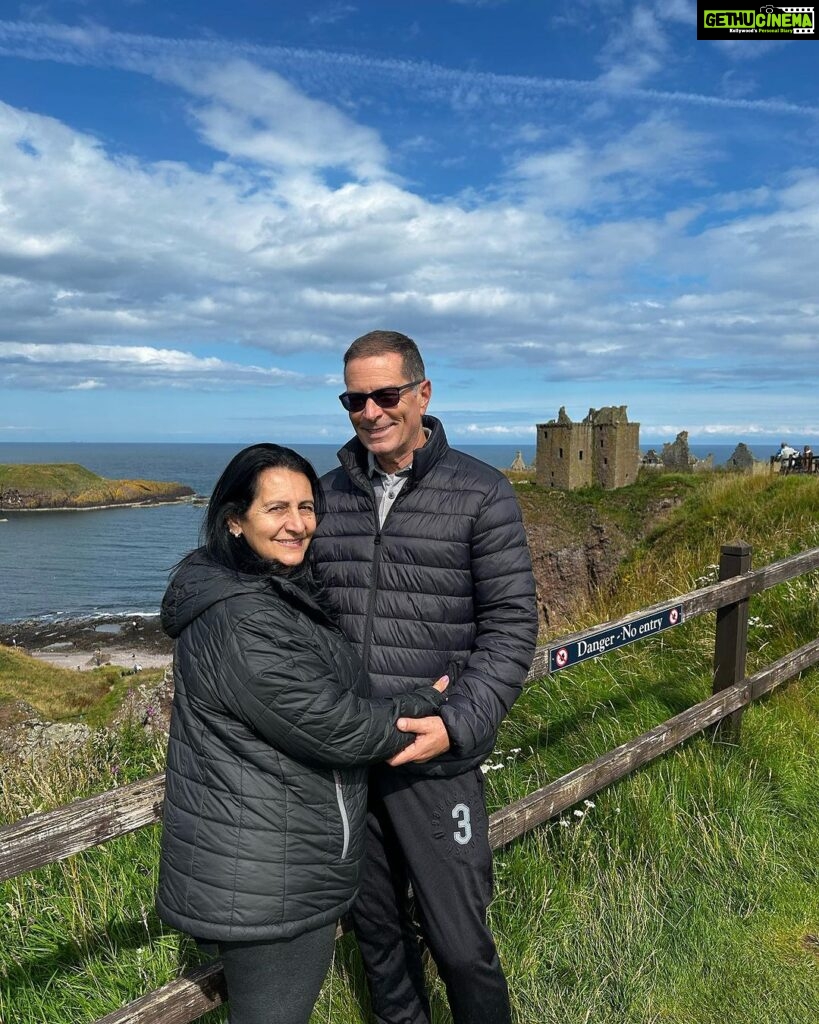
(431, 739)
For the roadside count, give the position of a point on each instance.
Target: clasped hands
(431, 737)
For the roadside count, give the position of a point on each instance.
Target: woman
(266, 790)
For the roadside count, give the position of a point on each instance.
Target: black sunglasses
(384, 398)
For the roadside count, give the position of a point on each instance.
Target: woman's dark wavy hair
(233, 495)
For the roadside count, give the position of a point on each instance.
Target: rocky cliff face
(568, 574)
(24, 734)
(578, 546)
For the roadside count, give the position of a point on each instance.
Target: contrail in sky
(98, 46)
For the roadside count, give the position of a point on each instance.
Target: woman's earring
(236, 533)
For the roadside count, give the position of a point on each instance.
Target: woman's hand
(441, 684)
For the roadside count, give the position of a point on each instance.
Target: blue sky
(565, 204)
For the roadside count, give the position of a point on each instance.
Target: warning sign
(608, 639)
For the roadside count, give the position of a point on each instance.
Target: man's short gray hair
(379, 343)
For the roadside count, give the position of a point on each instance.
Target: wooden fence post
(731, 643)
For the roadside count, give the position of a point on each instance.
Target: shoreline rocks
(14, 501)
(87, 632)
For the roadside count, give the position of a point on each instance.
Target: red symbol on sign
(562, 657)
(673, 616)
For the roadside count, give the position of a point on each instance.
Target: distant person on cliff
(266, 794)
(424, 551)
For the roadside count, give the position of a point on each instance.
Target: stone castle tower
(603, 449)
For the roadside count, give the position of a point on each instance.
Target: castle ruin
(602, 450)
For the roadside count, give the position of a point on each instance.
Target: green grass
(629, 509)
(686, 895)
(58, 476)
(91, 696)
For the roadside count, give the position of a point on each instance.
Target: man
(423, 549)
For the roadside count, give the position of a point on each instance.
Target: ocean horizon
(88, 564)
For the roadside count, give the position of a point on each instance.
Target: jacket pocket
(342, 810)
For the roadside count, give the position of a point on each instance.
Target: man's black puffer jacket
(445, 586)
(265, 802)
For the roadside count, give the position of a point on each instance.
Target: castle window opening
(580, 456)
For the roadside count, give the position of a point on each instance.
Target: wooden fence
(802, 462)
(51, 837)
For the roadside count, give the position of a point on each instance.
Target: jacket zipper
(368, 622)
(342, 809)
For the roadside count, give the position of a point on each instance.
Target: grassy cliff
(92, 696)
(67, 485)
(685, 894)
(578, 539)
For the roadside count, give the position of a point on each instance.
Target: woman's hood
(197, 585)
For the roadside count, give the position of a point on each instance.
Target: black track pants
(274, 982)
(432, 833)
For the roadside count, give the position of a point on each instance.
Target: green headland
(29, 487)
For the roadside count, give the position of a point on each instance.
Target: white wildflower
(578, 813)
(590, 804)
(564, 822)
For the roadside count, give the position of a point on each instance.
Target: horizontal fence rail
(51, 837)
(178, 1002)
(48, 838)
(694, 603)
(563, 793)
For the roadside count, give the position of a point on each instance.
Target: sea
(116, 561)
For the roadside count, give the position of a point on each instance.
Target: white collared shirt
(387, 486)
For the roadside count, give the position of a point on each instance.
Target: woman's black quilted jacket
(266, 796)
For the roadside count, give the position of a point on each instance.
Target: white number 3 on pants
(460, 813)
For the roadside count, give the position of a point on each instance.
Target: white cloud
(56, 367)
(636, 50)
(631, 165)
(331, 14)
(501, 430)
(251, 113)
(740, 428)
